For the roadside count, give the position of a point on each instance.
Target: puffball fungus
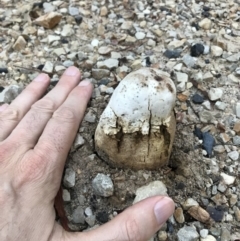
(137, 128)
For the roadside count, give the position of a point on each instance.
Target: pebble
(140, 35)
(69, 178)
(197, 50)
(99, 74)
(204, 233)
(127, 25)
(108, 64)
(206, 116)
(207, 77)
(90, 117)
(3, 70)
(162, 236)
(236, 140)
(73, 11)
(103, 185)
(78, 142)
(229, 180)
(190, 202)
(189, 61)
(152, 189)
(236, 127)
(215, 94)
(216, 51)
(205, 24)
(234, 155)
(172, 54)
(234, 57)
(105, 50)
(233, 79)
(48, 67)
(91, 220)
(187, 234)
(78, 215)
(20, 44)
(209, 238)
(88, 212)
(103, 11)
(216, 213)
(238, 109)
(178, 215)
(66, 196)
(49, 20)
(67, 30)
(199, 214)
(220, 105)
(197, 99)
(208, 143)
(181, 77)
(10, 93)
(219, 149)
(225, 235)
(207, 105)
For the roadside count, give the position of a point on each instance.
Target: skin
(36, 135)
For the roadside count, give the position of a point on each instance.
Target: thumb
(139, 222)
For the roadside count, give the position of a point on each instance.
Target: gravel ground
(198, 44)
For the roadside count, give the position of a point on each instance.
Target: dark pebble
(205, 14)
(102, 217)
(40, 67)
(4, 70)
(170, 228)
(103, 82)
(198, 133)
(197, 50)
(197, 99)
(148, 62)
(207, 61)
(195, 25)
(78, 19)
(216, 213)
(172, 53)
(165, 9)
(1, 89)
(180, 185)
(205, 8)
(64, 41)
(208, 143)
(38, 4)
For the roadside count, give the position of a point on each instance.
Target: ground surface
(137, 34)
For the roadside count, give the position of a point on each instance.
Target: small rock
(233, 79)
(225, 137)
(105, 50)
(103, 185)
(140, 35)
(90, 220)
(197, 99)
(206, 116)
(78, 142)
(99, 74)
(207, 105)
(189, 61)
(197, 50)
(90, 117)
(152, 189)
(229, 180)
(236, 127)
(234, 155)
(187, 234)
(49, 20)
(20, 44)
(48, 67)
(216, 213)
(67, 30)
(189, 203)
(73, 11)
(10, 93)
(66, 195)
(222, 187)
(237, 214)
(207, 77)
(233, 200)
(172, 54)
(108, 64)
(220, 105)
(216, 51)
(178, 215)
(127, 25)
(102, 216)
(208, 143)
(206, 49)
(236, 140)
(78, 215)
(181, 77)
(238, 109)
(215, 94)
(103, 11)
(53, 38)
(176, 44)
(219, 149)
(162, 236)
(209, 238)
(88, 212)
(69, 178)
(3, 70)
(203, 233)
(95, 42)
(234, 57)
(225, 235)
(181, 86)
(199, 214)
(205, 24)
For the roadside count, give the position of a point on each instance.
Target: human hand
(35, 137)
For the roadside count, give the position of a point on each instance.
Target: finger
(61, 129)
(12, 114)
(34, 122)
(138, 223)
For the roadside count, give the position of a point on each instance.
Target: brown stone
(178, 215)
(181, 97)
(199, 214)
(49, 20)
(236, 127)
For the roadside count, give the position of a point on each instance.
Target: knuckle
(65, 113)
(45, 105)
(132, 230)
(11, 114)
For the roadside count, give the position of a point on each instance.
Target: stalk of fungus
(136, 130)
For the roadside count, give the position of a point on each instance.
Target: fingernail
(72, 71)
(163, 210)
(3, 107)
(84, 83)
(41, 78)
